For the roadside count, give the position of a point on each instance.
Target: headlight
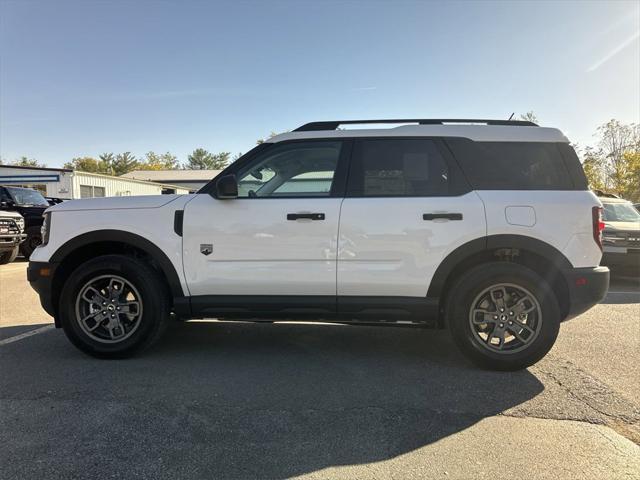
(46, 228)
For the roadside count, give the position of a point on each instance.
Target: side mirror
(227, 187)
(5, 205)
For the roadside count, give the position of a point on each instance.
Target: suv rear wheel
(503, 316)
(113, 306)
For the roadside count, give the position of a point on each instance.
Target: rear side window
(397, 168)
(512, 165)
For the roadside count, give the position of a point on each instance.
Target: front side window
(297, 169)
(398, 168)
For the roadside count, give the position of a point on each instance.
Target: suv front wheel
(113, 306)
(503, 316)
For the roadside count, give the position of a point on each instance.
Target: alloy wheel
(108, 309)
(505, 318)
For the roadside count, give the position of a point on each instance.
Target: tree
(27, 162)
(593, 170)
(124, 163)
(87, 164)
(529, 117)
(163, 161)
(614, 165)
(201, 159)
(263, 140)
(107, 162)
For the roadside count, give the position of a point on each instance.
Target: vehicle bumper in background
(587, 287)
(40, 276)
(623, 262)
(9, 241)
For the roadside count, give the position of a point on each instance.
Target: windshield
(620, 212)
(27, 197)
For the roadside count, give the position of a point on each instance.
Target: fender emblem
(206, 248)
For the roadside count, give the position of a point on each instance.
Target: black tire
(8, 257)
(154, 304)
(34, 239)
(470, 286)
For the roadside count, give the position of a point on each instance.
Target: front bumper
(587, 287)
(9, 241)
(40, 276)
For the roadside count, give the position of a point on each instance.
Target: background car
(31, 205)
(621, 236)
(11, 235)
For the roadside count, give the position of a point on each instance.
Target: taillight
(598, 225)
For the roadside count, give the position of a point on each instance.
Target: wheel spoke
(115, 287)
(523, 326)
(498, 295)
(496, 333)
(97, 296)
(521, 307)
(96, 321)
(487, 316)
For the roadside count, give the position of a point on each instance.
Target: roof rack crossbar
(332, 125)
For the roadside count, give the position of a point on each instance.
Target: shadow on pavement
(224, 400)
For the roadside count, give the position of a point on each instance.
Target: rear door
(407, 207)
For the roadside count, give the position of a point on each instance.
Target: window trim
(458, 183)
(338, 185)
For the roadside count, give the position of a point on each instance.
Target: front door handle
(306, 216)
(445, 216)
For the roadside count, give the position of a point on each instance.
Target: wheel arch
(543, 258)
(101, 242)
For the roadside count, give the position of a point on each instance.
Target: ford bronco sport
(484, 227)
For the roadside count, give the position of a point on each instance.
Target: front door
(278, 238)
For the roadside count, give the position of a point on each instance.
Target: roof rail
(332, 125)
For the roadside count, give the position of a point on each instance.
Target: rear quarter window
(516, 165)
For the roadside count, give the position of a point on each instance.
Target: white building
(69, 184)
(192, 180)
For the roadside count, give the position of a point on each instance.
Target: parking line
(26, 334)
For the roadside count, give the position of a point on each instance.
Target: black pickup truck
(31, 205)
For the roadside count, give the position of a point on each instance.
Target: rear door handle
(446, 216)
(306, 216)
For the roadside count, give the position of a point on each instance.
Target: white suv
(484, 227)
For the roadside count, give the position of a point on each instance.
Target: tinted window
(512, 165)
(297, 169)
(398, 168)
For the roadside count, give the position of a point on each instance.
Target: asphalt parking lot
(221, 400)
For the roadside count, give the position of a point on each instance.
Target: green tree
(27, 162)
(201, 159)
(593, 169)
(614, 165)
(124, 163)
(87, 164)
(107, 162)
(162, 161)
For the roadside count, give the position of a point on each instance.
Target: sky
(83, 78)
